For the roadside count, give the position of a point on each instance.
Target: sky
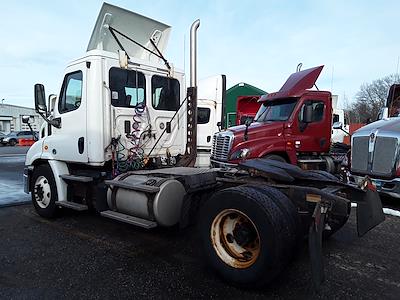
(257, 42)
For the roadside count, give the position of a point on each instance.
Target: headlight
(240, 154)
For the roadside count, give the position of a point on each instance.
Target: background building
(240, 89)
(11, 118)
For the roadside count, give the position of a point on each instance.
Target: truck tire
(245, 236)
(289, 210)
(44, 191)
(275, 157)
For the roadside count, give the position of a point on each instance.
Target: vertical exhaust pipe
(193, 53)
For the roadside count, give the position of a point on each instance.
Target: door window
(203, 115)
(71, 92)
(165, 93)
(318, 108)
(335, 118)
(128, 88)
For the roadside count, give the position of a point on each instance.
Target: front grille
(384, 156)
(359, 154)
(221, 146)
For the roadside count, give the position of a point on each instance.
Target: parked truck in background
(293, 125)
(246, 109)
(121, 140)
(375, 148)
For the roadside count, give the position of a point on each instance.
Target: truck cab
(375, 148)
(292, 125)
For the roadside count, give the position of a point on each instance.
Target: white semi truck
(123, 136)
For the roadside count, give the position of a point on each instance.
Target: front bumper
(387, 187)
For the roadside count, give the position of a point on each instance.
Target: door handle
(81, 145)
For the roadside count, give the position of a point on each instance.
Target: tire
(265, 239)
(12, 142)
(288, 209)
(44, 191)
(275, 157)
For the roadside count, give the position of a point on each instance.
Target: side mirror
(40, 99)
(383, 113)
(307, 113)
(25, 119)
(337, 125)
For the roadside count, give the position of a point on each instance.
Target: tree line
(370, 99)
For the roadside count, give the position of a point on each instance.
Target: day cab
(292, 125)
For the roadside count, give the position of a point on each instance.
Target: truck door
(69, 142)
(316, 135)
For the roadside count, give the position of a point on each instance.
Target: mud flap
(315, 245)
(369, 210)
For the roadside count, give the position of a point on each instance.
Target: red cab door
(314, 136)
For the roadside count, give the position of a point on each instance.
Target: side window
(335, 118)
(165, 93)
(71, 92)
(203, 115)
(127, 88)
(318, 110)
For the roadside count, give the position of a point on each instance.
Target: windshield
(278, 110)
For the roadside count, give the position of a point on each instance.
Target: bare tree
(371, 98)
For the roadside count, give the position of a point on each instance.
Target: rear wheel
(44, 191)
(245, 236)
(12, 142)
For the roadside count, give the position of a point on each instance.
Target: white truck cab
(131, 96)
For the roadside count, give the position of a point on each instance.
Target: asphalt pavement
(81, 255)
(12, 160)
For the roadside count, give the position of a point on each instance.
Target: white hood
(135, 26)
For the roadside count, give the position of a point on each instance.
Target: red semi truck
(246, 109)
(292, 125)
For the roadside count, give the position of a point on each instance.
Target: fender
(59, 168)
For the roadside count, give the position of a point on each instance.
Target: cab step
(128, 219)
(77, 178)
(72, 205)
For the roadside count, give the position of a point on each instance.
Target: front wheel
(44, 191)
(12, 142)
(245, 236)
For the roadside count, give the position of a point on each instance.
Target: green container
(240, 89)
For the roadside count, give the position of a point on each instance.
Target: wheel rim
(235, 239)
(42, 192)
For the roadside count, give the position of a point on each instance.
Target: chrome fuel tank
(152, 198)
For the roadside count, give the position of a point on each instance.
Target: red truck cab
(292, 125)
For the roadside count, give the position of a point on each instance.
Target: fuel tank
(163, 204)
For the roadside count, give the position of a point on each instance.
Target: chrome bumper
(387, 187)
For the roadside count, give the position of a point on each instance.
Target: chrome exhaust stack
(193, 53)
